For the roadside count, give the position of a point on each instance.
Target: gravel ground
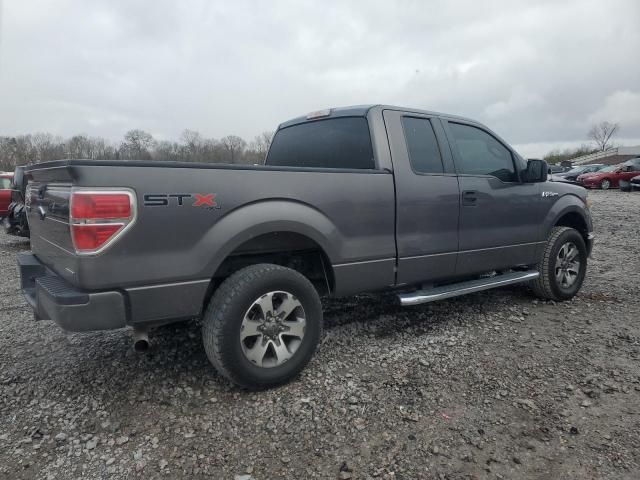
(493, 385)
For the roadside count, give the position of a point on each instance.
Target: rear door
(427, 197)
(500, 217)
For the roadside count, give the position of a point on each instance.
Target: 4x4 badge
(549, 194)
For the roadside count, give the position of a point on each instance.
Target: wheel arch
(282, 232)
(569, 211)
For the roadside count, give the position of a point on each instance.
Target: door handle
(469, 198)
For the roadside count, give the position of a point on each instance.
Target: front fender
(268, 216)
(567, 203)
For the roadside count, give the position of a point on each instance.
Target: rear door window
(424, 153)
(343, 142)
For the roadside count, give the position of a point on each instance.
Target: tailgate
(47, 201)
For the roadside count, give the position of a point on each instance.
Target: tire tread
(541, 286)
(215, 316)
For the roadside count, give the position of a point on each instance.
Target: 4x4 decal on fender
(205, 200)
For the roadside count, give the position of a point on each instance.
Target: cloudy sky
(538, 72)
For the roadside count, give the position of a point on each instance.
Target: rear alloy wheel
(563, 265)
(262, 326)
(605, 184)
(272, 329)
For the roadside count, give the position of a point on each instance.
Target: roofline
(363, 111)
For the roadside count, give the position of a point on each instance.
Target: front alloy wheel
(562, 265)
(567, 266)
(605, 185)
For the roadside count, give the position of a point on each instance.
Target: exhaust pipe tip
(140, 341)
(141, 346)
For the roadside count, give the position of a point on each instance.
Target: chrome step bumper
(462, 288)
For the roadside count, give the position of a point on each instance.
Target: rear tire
(563, 265)
(605, 184)
(262, 326)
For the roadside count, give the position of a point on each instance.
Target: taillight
(97, 217)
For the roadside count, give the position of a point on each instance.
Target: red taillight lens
(92, 237)
(100, 205)
(96, 217)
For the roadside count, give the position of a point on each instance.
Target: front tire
(563, 265)
(605, 184)
(262, 326)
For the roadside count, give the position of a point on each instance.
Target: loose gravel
(492, 385)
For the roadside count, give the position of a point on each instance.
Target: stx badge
(206, 200)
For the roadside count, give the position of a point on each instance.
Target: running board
(462, 288)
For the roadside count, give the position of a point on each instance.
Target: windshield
(611, 168)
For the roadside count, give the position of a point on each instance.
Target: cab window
(481, 154)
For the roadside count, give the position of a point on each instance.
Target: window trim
(376, 165)
(435, 136)
(457, 158)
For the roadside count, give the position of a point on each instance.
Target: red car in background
(5, 193)
(609, 177)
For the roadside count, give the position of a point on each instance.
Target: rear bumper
(75, 310)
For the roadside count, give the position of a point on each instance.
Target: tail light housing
(98, 217)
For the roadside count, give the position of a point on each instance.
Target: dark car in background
(632, 185)
(15, 219)
(575, 172)
(554, 169)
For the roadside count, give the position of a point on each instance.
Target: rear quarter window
(5, 183)
(343, 142)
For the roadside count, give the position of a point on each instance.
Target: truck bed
(349, 214)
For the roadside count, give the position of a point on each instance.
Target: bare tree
(193, 143)
(259, 147)
(137, 145)
(602, 133)
(234, 147)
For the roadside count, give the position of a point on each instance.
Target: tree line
(193, 147)
(135, 145)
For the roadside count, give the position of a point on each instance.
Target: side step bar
(462, 288)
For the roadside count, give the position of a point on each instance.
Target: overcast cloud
(539, 73)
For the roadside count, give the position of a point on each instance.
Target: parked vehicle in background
(572, 175)
(630, 186)
(350, 200)
(610, 177)
(5, 193)
(15, 222)
(553, 169)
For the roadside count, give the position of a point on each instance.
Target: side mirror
(536, 172)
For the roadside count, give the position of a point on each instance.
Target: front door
(500, 217)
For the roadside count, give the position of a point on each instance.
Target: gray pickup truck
(350, 200)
